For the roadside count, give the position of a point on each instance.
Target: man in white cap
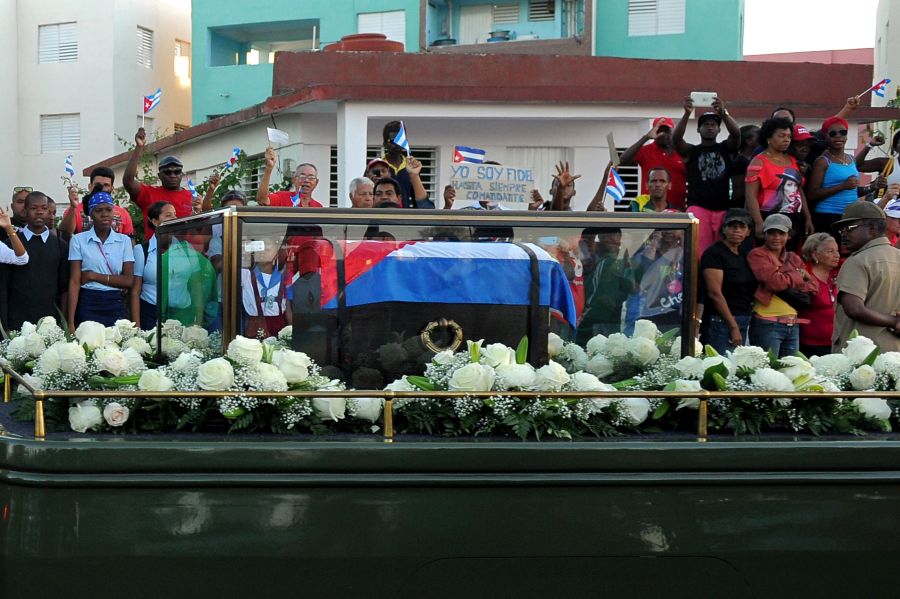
(892, 212)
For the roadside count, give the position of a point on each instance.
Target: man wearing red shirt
(171, 171)
(659, 153)
(305, 180)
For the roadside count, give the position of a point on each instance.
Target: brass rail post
(388, 419)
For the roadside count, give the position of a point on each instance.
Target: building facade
(887, 49)
(75, 77)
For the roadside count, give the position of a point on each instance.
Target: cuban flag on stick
(615, 187)
(233, 159)
(878, 88)
(401, 140)
(467, 154)
(70, 168)
(192, 189)
(152, 101)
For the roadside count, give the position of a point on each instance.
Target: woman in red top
(821, 255)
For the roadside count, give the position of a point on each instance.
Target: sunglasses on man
(21, 189)
(170, 171)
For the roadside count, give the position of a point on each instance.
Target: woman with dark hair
(143, 291)
(729, 284)
(101, 265)
(821, 256)
(834, 177)
(767, 180)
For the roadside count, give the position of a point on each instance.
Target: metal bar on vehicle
(702, 420)
(388, 420)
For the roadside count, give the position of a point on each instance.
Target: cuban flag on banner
(438, 272)
(70, 168)
(615, 187)
(878, 88)
(467, 154)
(152, 101)
(233, 159)
(401, 140)
(192, 189)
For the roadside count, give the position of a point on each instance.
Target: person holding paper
(304, 182)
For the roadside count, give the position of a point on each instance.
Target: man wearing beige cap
(869, 282)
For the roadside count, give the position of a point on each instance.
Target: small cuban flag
(615, 187)
(878, 88)
(70, 168)
(467, 154)
(295, 199)
(192, 189)
(232, 160)
(151, 101)
(401, 140)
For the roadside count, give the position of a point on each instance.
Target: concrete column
(9, 102)
(351, 145)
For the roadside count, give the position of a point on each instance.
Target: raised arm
(875, 165)
(629, 155)
(262, 193)
(210, 191)
(734, 131)
(681, 146)
(129, 179)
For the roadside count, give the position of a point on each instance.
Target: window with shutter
(60, 132)
(392, 24)
(655, 17)
(426, 155)
(505, 14)
(145, 47)
(541, 10)
(58, 43)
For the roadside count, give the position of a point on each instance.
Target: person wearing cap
(768, 190)
(774, 325)
(729, 284)
(868, 284)
(405, 169)
(74, 219)
(801, 145)
(659, 153)
(101, 264)
(708, 167)
(171, 171)
(834, 177)
(892, 213)
(303, 184)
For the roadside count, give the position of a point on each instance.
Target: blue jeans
(782, 339)
(716, 331)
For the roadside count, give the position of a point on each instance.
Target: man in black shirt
(35, 290)
(708, 167)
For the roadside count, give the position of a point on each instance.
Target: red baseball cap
(664, 121)
(801, 133)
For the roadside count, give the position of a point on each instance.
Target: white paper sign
(507, 185)
(277, 137)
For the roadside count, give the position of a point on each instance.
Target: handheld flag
(70, 169)
(295, 199)
(192, 188)
(401, 140)
(233, 159)
(878, 88)
(466, 154)
(615, 187)
(152, 101)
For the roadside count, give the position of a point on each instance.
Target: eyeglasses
(306, 177)
(171, 171)
(21, 189)
(847, 228)
(838, 133)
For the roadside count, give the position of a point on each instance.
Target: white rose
(47, 326)
(517, 376)
(172, 328)
(443, 358)
(575, 355)
(831, 364)
(35, 381)
(270, 377)
(715, 361)
(115, 414)
(330, 408)
(111, 360)
(27, 328)
(584, 381)
(643, 351)
(771, 380)
(795, 367)
(113, 336)
(196, 337)
(554, 344)
(888, 363)
(92, 334)
(84, 415)
(63, 356)
(596, 345)
(126, 328)
(155, 380)
(873, 407)
(286, 334)
(691, 367)
(497, 354)
(646, 329)
(215, 375)
(172, 347)
(245, 351)
(617, 346)
(636, 409)
(133, 360)
(401, 384)
(33, 344)
(139, 345)
(16, 348)
(294, 365)
(366, 408)
(858, 349)
(863, 378)
(186, 362)
(687, 385)
(472, 377)
(675, 350)
(600, 366)
(551, 377)
(749, 357)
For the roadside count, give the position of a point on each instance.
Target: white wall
(9, 124)
(887, 47)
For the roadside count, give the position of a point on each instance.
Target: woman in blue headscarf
(101, 264)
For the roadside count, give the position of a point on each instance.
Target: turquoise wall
(714, 30)
(223, 89)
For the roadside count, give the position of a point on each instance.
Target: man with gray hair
(362, 193)
(304, 182)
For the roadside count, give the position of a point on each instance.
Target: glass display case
(374, 294)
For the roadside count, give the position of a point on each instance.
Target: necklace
(843, 159)
(829, 282)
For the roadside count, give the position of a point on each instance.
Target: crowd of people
(795, 254)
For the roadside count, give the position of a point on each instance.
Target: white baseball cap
(893, 208)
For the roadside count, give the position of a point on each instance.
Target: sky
(808, 25)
